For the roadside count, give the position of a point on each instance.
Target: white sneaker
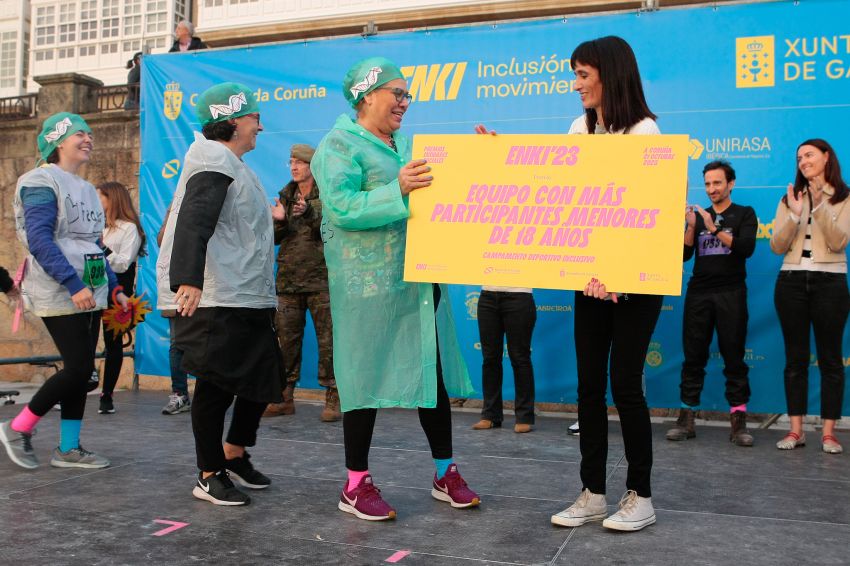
(573, 430)
(635, 513)
(588, 507)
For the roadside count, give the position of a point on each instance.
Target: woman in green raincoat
(394, 342)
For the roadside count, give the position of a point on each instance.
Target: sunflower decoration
(119, 321)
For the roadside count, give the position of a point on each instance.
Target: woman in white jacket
(124, 242)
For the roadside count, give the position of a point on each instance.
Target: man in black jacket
(185, 39)
(720, 239)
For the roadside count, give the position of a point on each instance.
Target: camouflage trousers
(291, 319)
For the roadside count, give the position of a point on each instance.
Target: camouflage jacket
(301, 258)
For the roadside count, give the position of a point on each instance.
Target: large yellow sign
(550, 211)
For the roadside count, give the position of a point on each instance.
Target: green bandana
(58, 128)
(367, 75)
(225, 101)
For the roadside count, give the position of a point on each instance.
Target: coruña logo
(435, 82)
(172, 101)
(754, 61)
(472, 305)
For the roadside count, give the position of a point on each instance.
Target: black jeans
(208, 409)
(75, 336)
(725, 311)
(514, 315)
(618, 334)
(820, 301)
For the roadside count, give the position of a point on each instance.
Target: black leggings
(209, 406)
(75, 336)
(357, 425)
(114, 344)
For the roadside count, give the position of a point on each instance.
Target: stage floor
(716, 503)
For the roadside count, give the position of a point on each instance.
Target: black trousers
(114, 344)
(820, 301)
(75, 336)
(616, 334)
(725, 311)
(514, 315)
(209, 406)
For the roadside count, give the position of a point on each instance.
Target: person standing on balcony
(134, 80)
(185, 39)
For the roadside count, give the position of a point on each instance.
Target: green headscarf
(367, 75)
(58, 128)
(225, 101)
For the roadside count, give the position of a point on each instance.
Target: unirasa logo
(435, 82)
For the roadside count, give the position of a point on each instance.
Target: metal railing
(117, 97)
(18, 107)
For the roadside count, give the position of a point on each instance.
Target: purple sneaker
(453, 489)
(365, 502)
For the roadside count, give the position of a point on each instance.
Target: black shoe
(93, 382)
(219, 490)
(106, 406)
(243, 472)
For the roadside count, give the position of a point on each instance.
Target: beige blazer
(830, 230)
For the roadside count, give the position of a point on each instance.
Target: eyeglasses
(399, 93)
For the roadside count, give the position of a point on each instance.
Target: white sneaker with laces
(588, 507)
(635, 513)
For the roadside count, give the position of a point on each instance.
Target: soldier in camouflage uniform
(302, 284)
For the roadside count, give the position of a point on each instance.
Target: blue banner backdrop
(747, 83)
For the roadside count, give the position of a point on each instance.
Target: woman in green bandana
(66, 281)
(386, 332)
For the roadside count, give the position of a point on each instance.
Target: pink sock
(354, 479)
(738, 409)
(25, 421)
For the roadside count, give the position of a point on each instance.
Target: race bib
(94, 271)
(711, 245)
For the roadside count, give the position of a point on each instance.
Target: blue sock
(686, 406)
(69, 434)
(442, 467)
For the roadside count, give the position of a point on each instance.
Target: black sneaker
(219, 490)
(243, 472)
(106, 406)
(93, 382)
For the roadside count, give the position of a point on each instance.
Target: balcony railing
(117, 97)
(18, 107)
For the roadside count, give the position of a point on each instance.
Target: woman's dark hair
(623, 101)
(831, 173)
(53, 157)
(121, 208)
(219, 131)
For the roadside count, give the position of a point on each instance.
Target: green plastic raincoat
(385, 345)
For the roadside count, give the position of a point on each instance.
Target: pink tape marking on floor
(174, 526)
(397, 556)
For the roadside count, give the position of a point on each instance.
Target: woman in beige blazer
(811, 230)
